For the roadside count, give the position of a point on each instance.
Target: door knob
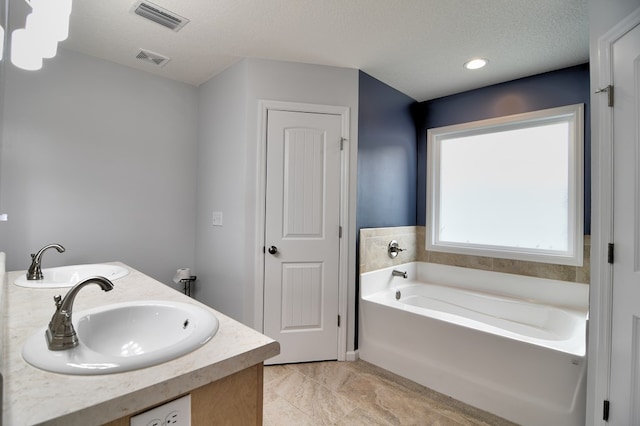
(273, 250)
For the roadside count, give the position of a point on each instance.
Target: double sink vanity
(139, 344)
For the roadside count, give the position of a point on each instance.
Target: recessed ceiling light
(476, 63)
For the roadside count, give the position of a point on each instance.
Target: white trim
(353, 355)
(599, 349)
(573, 115)
(264, 106)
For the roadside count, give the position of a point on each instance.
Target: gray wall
(107, 161)
(101, 159)
(227, 178)
(222, 264)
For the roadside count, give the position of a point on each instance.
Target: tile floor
(358, 393)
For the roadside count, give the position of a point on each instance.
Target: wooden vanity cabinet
(232, 400)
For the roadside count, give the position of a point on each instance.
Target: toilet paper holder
(183, 275)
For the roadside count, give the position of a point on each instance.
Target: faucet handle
(393, 249)
(58, 300)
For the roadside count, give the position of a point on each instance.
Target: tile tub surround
(373, 256)
(33, 396)
(359, 393)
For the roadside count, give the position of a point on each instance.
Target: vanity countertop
(34, 396)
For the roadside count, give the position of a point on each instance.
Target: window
(510, 187)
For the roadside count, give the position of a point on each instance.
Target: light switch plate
(216, 219)
(175, 413)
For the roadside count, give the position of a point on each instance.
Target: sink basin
(124, 337)
(68, 276)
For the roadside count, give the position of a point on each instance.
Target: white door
(302, 224)
(625, 346)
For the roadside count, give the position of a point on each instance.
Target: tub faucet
(61, 335)
(397, 273)
(393, 249)
(35, 269)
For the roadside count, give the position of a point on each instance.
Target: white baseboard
(353, 355)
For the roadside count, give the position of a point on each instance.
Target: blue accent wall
(392, 139)
(549, 90)
(387, 163)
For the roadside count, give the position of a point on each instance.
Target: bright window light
(508, 187)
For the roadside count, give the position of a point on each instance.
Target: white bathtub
(511, 345)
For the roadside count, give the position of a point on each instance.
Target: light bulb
(44, 33)
(24, 50)
(61, 30)
(476, 63)
(53, 15)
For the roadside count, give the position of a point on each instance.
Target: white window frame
(574, 116)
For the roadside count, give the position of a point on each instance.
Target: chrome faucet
(35, 269)
(61, 334)
(393, 249)
(397, 273)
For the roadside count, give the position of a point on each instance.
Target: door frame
(264, 107)
(601, 286)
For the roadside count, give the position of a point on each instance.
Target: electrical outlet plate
(174, 413)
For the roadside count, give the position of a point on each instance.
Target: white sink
(124, 337)
(68, 276)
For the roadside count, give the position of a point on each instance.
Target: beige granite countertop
(33, 396)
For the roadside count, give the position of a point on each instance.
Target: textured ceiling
(415, 46)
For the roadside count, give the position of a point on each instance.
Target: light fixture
(476, 63)
(46, 26)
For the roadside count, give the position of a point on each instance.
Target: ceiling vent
(159, 15)
(152, 58)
